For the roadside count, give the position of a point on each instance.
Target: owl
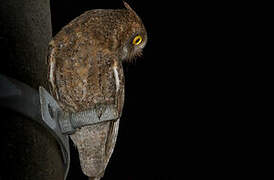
(85, 71)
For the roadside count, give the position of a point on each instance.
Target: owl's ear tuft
(129, 8)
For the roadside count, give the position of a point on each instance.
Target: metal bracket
(43, 108)
(69, 122)
(49, 109)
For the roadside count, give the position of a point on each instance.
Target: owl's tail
(94, 178)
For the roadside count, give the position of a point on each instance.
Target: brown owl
(85, 71)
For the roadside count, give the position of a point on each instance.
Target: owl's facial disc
(133, 48)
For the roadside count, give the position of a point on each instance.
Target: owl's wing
(112, 136)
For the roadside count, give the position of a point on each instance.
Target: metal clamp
(43, 108)
(69, 122)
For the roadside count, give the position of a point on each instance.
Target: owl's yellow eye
(137, 40)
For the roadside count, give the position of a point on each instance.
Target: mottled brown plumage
(85, 71)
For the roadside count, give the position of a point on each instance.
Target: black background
(182, 96)
(174, 118)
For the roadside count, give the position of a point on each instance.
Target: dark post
(28, 151)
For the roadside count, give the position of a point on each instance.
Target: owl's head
(133, 37)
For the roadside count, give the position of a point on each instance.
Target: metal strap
(69, 122)
(43, 108)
